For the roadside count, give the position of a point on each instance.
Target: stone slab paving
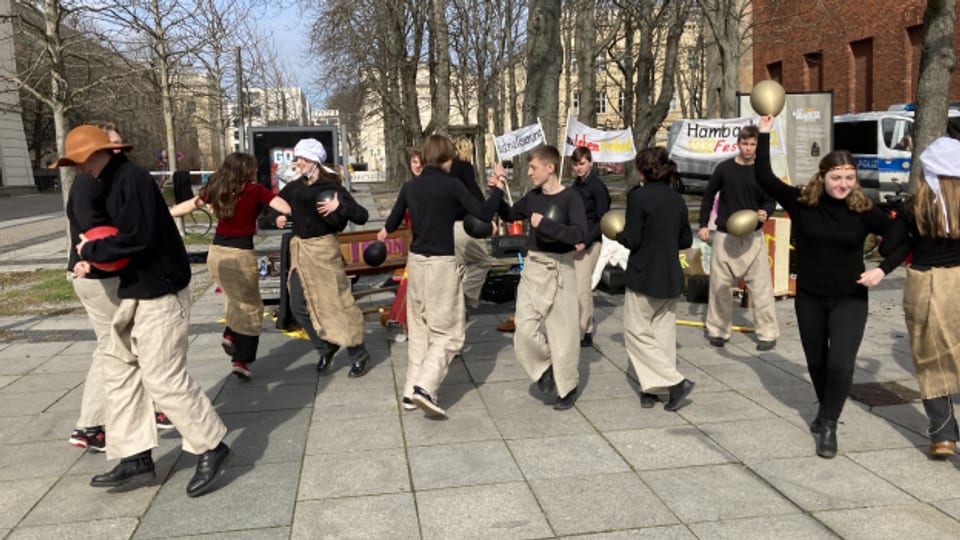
(333, 457)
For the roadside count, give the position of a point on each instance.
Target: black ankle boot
(827, 439)
(137, 467)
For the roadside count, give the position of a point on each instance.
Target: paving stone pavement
(334, 457)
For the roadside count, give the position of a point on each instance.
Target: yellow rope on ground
(699, 324)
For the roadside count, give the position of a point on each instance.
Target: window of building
(861, 80)
(775, 71)
(576, 102)
(600, 102)
(813, 72)
(915, 35)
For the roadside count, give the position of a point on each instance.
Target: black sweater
(829, 236)
(307, 222)
(434, 199)
(562, 235)
(86, 209)
(463, 171)
(596, 202)
(903, 238)
(656, 229)
(738, 191)
(147, 234)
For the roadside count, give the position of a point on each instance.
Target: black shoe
(587, 340)
(764, 346)
(326, 359)
(209, 465)
(359, 367)
(131, 469)
(716, 341)
(816, 426)
(408, 404)
(678, 392)
(97, 439)
(427, 403)
(647, 401)
(546, 384)
(566, 401)
(163, 422)
(827, 439)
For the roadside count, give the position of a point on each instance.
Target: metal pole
(344, 149)
(241, 128)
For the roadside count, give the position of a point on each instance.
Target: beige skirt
(333, 311)
(235, 271)
(932, 314)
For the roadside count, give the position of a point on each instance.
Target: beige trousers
(435, 320)
(736, 258)
(650, 337)
(547, 331)
(474, 262)
(584, 262)
(235, 270)
(99, 299)
(148, 361)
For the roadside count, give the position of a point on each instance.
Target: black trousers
(943, 425)
(246, 346)
(831, 329)
(298, 306)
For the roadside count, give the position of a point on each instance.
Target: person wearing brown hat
(146, 361)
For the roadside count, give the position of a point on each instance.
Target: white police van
(881, 144)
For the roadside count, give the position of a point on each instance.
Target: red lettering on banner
(581, 140)
(724, 146)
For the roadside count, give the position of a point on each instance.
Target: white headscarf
(941, 158)
(312, 150)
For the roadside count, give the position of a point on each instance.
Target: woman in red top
(237, 199)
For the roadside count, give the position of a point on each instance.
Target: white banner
(716, 139)
(518, 141)
(613, 146)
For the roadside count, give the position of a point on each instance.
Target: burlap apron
(235, 270)
(333, 312)
(548, 328)
(932, 314)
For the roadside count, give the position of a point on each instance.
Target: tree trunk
(540, 97)
(439, 67)
(585, 45)
(937, 62)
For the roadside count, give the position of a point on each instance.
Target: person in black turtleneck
(435, 304)
(831, 218)
(150, 330)
(320, 295)
(547, 337)
(928, 227)
(596, 202)
(738, 257)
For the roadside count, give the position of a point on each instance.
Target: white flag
(716, 139)
(518, 141)
(605, 146)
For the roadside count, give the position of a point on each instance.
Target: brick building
(867, 52)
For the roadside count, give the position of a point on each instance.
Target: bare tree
(59, 67)
(651, 35)
(380, 45)
(730, 21)
(439, 54)
(544, 61)
(937, 62)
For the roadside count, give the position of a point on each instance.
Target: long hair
(811, 193)
(227, 183)
(929, 212)
(656, 166)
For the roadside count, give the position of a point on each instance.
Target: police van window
(859, 137)
(897, 133)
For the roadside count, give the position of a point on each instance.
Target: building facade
(866, 52)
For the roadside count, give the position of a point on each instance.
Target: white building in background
(285, 106)
(15, 168)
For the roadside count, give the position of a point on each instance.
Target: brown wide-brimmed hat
(82, 142)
